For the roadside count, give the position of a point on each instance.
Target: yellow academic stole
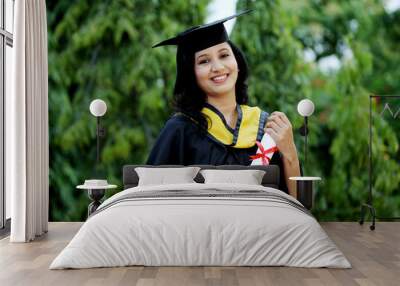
(249, 127)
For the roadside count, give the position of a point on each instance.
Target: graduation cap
(201, 37)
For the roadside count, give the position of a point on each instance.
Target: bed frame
(270, 179)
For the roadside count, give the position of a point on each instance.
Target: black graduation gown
(181, 142)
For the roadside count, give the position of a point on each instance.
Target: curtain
(27, 154)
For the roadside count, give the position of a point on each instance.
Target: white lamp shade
(305, 107)
(98, 107)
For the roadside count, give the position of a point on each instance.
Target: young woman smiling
(212, 124)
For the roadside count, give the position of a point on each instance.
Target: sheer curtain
(27, 154)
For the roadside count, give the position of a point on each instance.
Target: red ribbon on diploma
(263, 154)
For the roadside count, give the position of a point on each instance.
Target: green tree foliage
(275, 38)
(102, 49)
(370, 33)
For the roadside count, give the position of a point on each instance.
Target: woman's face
(216, 70)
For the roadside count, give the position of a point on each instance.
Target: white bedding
(190, 230)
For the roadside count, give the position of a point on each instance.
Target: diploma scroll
(265, 151)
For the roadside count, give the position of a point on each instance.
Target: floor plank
(374, 255)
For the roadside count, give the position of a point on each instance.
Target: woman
(213, 125)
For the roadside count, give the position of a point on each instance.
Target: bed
(201, 224)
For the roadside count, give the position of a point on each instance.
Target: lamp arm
(305, 140)
(98, 140)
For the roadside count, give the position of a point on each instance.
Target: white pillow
(163, 176)
(248, 177)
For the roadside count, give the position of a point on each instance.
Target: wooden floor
(374, 255)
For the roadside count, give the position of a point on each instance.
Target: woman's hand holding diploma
(279, 128)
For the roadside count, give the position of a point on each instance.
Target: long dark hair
(189, 99)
